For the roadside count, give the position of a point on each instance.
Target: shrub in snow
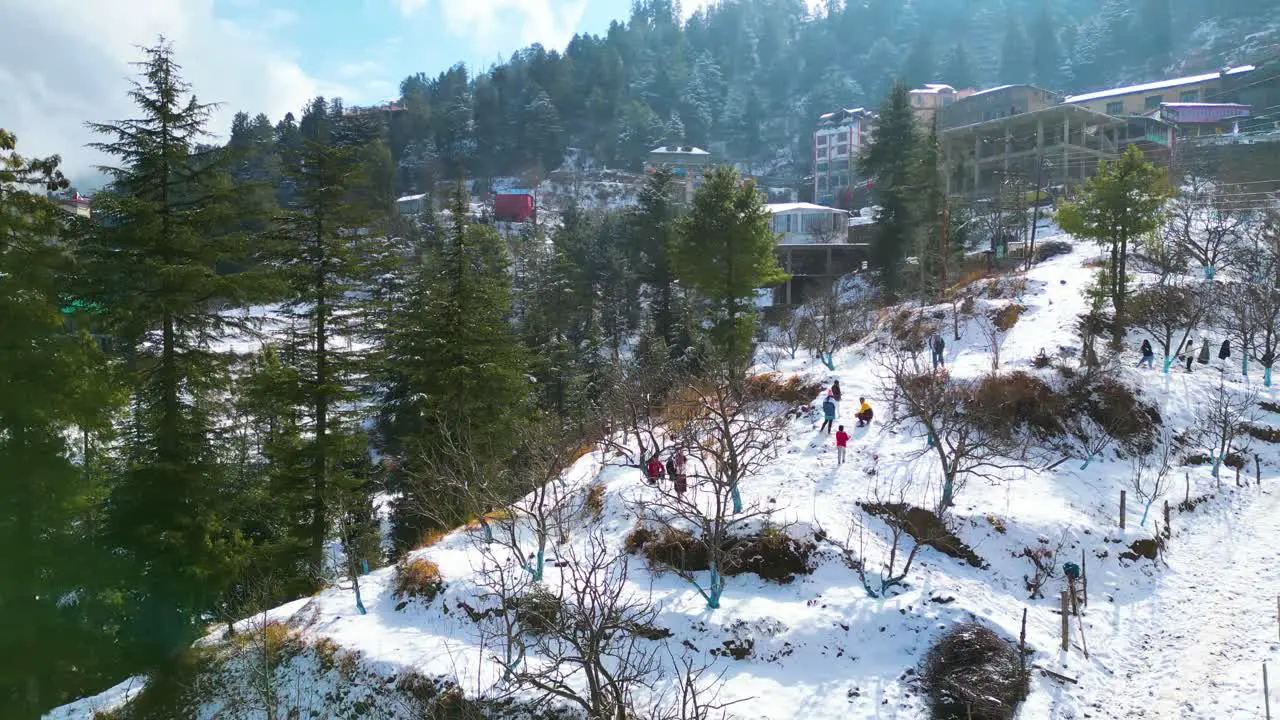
(1051, 248)
(1017, 400)
(418, 578)
(1006, 317)
(971, 673)
(539, 610)
(772, 554)
(792, 391)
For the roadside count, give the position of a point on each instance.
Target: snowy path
(1195, 648)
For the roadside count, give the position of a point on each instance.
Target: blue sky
(370, 45)
(268, 56)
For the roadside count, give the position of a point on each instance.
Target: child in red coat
(842, 442)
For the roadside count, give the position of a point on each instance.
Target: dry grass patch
(418, 578)
(1006, 317)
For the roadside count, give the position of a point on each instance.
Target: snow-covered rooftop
(932, 89)
(1205, 105)
(991, 90)
(680, 150)
(1159, 85)
(411, 198)
(776, 208)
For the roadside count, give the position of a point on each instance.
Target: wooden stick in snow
(1066, 621)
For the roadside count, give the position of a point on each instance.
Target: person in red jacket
(654, 470)
(842, 442)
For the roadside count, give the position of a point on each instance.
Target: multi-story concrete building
(837, 141)
(928, 100)
(687, 163)
(1148, 97)
(995, 103)
(75, 203)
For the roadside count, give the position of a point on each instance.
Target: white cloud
(496, 24)
(64, 62)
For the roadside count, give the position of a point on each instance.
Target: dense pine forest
(207, 390)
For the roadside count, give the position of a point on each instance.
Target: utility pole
(1035, 213)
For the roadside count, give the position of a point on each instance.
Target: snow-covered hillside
(1180, 637)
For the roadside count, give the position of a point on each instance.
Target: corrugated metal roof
(776, 208)
(1158, 85)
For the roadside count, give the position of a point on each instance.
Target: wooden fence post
(1187, 499)
(1066, 620)
(1257, 468)
(1266, 691)
(1168, 528)
(1022, 644)
(1084, 578)
(1122, 494)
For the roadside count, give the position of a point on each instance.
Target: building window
(1115, 108)
(1153, 101)
(822, 140)
(1189, 96)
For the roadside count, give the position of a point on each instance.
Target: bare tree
(1086, 436)
(729, 437)
(1161, 254)
(1226, 414)
(595, 652)
(1150, 477)
(994, 336)
(827, 325)
(1249, 309)
(635, 398)
(894, 554)
(1044, 564)
(789, 332)
(1205, 223)
(696, 696)
(1169, 313)
(958, 432)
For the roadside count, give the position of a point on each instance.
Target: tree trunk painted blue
(1087, 461)
(541, 563)
(359, 601)
(929, 440)
(1216, 460)
(737, 499)
(1168, 363)
(1209, 272)
(947, 489)
(488, 531)
(364, 567)
(828, 359)
(1244, 366)
(716, 588)
(1145, 510)
(1266, 377)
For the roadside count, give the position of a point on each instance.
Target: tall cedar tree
(55, 398)
(934, 250)
(725, 253)
(889, 160)
(458, 367)
(1116, 207)
(152, 266)
(323, 245)
(653, 228)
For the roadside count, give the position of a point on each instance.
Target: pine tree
(459, 368)
(1046, 53)
(889, 160)
(1015, 55)
(1116, 207)
(653, 233)
(919, 66)
(153, 269)
(725, 252)
(56, 397)
(958, 69)
(322, 245)
(933, 254)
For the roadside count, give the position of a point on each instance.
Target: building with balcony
(816, 245)
(928, 100)
(688, 164)
(838, 139)
(1148, 97)
(1193, 120)
(995, 103)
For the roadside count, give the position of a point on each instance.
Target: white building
(837, 141)
(808, 224)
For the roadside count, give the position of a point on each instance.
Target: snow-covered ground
(1181, 640)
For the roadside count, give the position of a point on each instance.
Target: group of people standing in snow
(674, 469)
(1187, 353)
(831, 407)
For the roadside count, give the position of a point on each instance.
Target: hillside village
(968, 415)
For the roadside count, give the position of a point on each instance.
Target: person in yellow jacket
(864, 412)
